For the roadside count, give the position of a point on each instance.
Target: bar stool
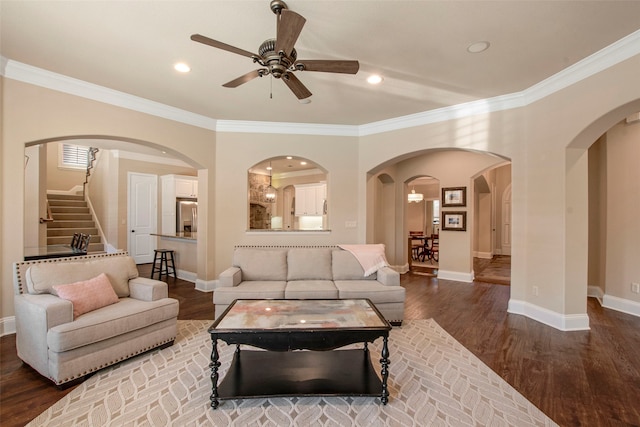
(164, 266)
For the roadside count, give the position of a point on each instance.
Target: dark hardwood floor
(587, 378)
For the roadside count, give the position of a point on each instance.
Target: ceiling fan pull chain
(270, 86)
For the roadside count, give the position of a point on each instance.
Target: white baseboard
(455, 275)
(401, 268)
(595, 292)
(7, 326)
(187, 275)
(621, 304)
(483, 255)
(563, 322)
(206, 285)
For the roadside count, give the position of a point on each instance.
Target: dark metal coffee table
(281, 326)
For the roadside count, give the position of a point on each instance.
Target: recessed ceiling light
(478, 47)
(374, 79)
(303, 163)
(269, 168)
(182, 67)
(289, 157)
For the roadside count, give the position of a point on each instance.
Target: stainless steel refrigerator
(186, 215)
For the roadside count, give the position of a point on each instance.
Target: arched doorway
(602, 190)
(107, 213)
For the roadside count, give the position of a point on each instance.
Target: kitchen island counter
(184, 236)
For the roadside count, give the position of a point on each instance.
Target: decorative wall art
(454, 197)
(454, 221)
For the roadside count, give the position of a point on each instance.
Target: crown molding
(607, 57)
(239, 126)
(61, 83)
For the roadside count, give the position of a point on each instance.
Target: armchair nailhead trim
(19, 280)
(113, 362)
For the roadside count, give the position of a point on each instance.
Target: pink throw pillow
(88, 295)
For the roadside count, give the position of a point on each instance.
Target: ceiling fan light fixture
(478, 47)
(182, 67)
(374, 79)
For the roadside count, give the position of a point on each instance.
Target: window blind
(74, 156)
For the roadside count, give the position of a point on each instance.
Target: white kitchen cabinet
(175, 186)
(186, 187)
(310, 199)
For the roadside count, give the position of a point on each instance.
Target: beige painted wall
(237, 152)
(546, 142)
(598, 214)
(623, 210)
(64, 116)
(62, 179)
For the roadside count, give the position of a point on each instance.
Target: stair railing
(49, 217)
(90, 163)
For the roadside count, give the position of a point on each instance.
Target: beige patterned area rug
(434, 381)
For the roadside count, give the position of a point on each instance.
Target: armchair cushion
(88, 295)
(144, 289)
(107, 322)
(42, 276)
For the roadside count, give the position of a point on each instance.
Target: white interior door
(143, 216)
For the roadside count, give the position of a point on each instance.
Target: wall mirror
(287, 193)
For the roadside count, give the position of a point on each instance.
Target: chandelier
(414, 197)
(270, 192)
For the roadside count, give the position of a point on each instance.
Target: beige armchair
(64, 347)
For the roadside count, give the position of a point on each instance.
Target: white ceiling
(418, 46)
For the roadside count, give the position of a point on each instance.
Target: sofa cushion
(119, 269)
(88, 295)
(346, 267)
(261, 264)
(107, 322)
(311, 289)
(309, 264)
(257, 289)
(373, 290)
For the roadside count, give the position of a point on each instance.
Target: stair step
(64, 197)
(65, 240)
(78, 203)
(58, 216)
(96, 247)
(56, 232)
(69, 209)
(70, 224)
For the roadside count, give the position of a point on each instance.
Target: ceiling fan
(278, 56)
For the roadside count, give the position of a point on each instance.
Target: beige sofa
(307, 273)
(64, 348)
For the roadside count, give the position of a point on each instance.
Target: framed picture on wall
(454, 221)
(454, 197)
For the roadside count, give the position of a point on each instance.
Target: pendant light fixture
(270, 192)
(414, 197)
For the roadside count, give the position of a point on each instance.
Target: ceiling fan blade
(328, 66)
(296, 86)
(243, 79)
(289, 27)
(214, 43)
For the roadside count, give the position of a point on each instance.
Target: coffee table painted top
(300, 315)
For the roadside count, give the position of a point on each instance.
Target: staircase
(71, 215)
